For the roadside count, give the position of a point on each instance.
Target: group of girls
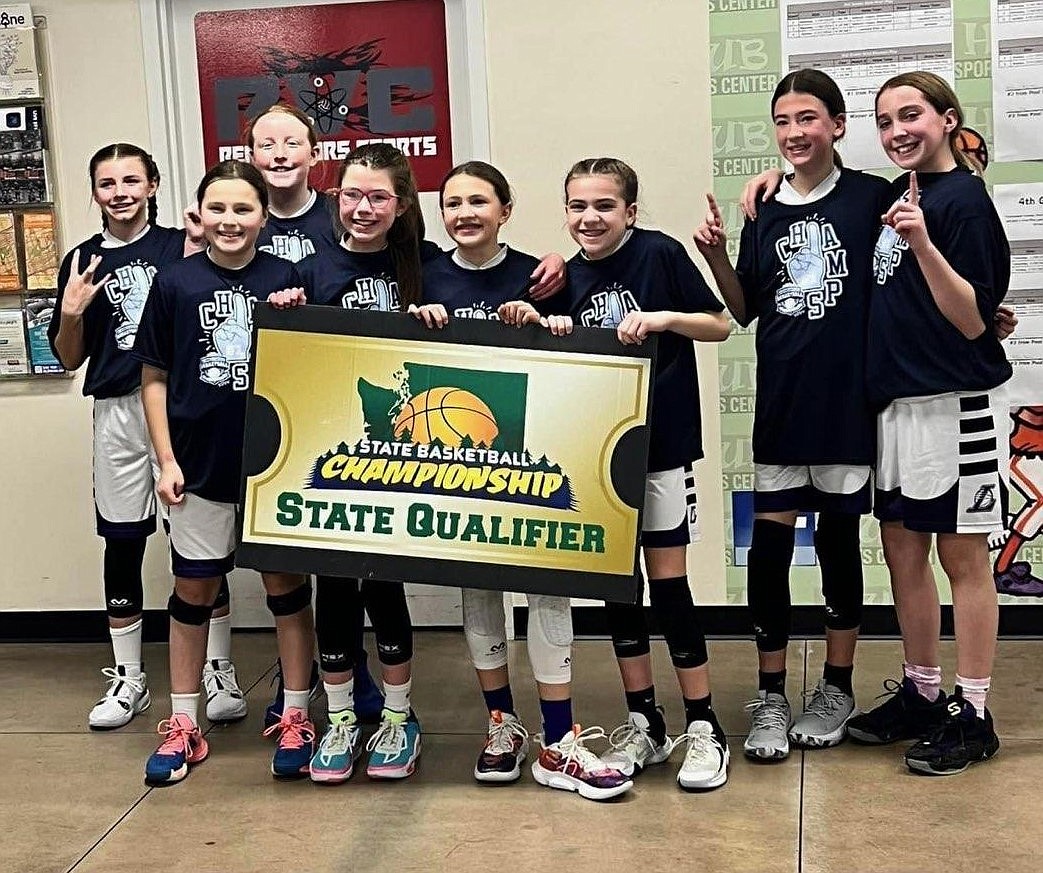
(878, 347)
(862, 353)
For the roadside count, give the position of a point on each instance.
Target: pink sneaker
(184, 745)
(295, 744)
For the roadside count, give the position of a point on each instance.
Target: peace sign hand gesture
(81, 288)
(907, 219)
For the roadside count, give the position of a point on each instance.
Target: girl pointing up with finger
(804, 272)
(936, 371)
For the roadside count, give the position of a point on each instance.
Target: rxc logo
(381, 87)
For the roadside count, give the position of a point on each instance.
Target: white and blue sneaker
(395, 747)
(339, 749)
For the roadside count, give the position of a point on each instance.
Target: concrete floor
(73, 800)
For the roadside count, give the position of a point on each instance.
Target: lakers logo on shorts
(984, 499)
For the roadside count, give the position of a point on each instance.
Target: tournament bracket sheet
(1021, 209)
(1017, 75)
(474, 455)
(862, 43)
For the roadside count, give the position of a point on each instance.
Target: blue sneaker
(339, 749)
(369, 699)
(183, 744)
(273, 714)
(395, 747)
(296, 744)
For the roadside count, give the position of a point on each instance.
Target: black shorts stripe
(976, 447)
(976, 425)
(977, 468)
(974, 403)
(690, 499)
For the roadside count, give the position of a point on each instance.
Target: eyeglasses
(377, 198)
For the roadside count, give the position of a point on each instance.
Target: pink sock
(974, 692)
(928, 680)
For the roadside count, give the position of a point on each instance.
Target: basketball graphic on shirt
(448, 415)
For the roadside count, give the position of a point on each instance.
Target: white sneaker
(705, 764)
(126, 696)
(632, 747)
(224, 698)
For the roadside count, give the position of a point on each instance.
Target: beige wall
(566, 80)
(50, 557)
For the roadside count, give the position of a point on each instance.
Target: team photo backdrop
(473, 455)
(992, 52)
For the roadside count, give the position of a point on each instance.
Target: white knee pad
(485, 627)
(550, 639)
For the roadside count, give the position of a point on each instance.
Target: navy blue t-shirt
(356, 280)
(110, 322)
(477, 293)
(197, 326)
(914, 350)
(651, 273)
(294, 239)
(806, 273)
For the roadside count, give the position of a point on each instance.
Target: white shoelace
(227, 677)
(390, 739)
(573, 749)
(767, 715)
(701, 741)
(501, 736)
(628, 736)
(115, 678)
(336, 742)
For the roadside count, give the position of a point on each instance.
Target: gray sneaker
(824, 722)
(768, 740)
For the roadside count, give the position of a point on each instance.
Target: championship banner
(477, 455)
(363, 72)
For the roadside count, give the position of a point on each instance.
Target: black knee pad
(767, 583)
(224, 596)
(338, 622)
(840, 559)
(292, 602)
(629, 629)
(392, 625)
(675, 611)
(188, 613)
(122, 575)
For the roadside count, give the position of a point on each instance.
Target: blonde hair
(941, 96)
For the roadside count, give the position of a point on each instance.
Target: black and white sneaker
(963, 739)
(905, 715)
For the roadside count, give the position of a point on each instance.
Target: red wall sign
(363, 71)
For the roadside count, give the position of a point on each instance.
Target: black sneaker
(962, 740)
(907, 715)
